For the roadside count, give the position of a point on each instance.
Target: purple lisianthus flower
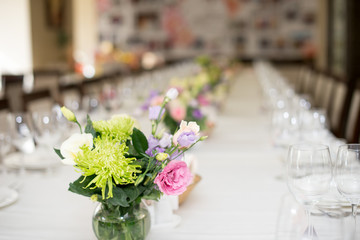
(156, 150)
(154, 112)
(176, 155)
(153, 144)
(186, 139)
(197, 114)
(165, 141)
(150, 151)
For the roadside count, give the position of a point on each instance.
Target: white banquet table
(239, 196)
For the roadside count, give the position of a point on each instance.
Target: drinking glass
(347, 176)
(46, 131)
(8, 183)
(5, 140)
(22, 133)
(308, 177)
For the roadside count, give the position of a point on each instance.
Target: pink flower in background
(157, 101)
(185, 127)
(203, 101)
(174, 178)
(178, 113)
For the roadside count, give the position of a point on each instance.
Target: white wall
(15, 37)
(85, 30)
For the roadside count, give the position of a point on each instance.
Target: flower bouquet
(191, 104)
(119, 167)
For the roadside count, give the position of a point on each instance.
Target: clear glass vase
(121, 223)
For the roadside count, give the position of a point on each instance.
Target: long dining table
(241, 194)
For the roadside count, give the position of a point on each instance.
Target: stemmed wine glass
(46, 130)
(309, 176)
(7, 183)
(347, 176)
(22, 136)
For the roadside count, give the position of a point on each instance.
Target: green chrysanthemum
(109, 163)
(119, 127)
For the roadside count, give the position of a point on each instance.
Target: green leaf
(79, 185)
(139, 141)
(143, 162)
(89, 127)
(133, 192)
(119, 198)
(132, 152)
(123, 196)
(154, 194)
(57, 151)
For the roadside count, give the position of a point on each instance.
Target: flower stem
(187, 148)
(157, 121)
(79, 126)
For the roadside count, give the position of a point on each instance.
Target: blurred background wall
(66, 35)
(15, 41)
(62, 30)
(51, 31)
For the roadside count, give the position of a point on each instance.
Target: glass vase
(121, 223)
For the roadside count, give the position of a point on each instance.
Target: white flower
(71, 146)
(165, 141)
(172, 93)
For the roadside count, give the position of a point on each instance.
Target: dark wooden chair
(92, 86)
(47, 79)
(337, 106)
(4, 104)
(352, 127)
(30, 99)
(13, 85)
(322, 91)
(308, 81)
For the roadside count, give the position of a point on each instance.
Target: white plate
(7, 196)
(36, 160)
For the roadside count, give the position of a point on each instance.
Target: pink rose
(178, 113)
(174, 178)
(186, 128)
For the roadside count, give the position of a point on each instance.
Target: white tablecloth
(238, 197)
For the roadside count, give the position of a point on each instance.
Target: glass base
(118, 223)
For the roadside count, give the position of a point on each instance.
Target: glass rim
(309, 146)
(356, 145)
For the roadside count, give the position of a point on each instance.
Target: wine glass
(8, 183)
(309, 176)
(347, 176)
(46, 131)
(22, 137)
(5, 140)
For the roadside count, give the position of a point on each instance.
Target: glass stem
(354, 213)
(310, 228)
